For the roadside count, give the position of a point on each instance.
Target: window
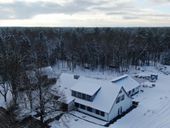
(83, 96)
(89, 109)
(82, 106)
(122, 97)
(117, 100)
(88, 98)
(79, 95)
(97, 111)
(129, 92)
(102, 113)
(73, 93)
(77, 105)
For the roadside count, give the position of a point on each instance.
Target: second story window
(102, 113)
(89, 109)
(73, 93)
(81, 96)
(120, 98)
(123, 97)
(82, 106)
(88, 97)
(117, 100)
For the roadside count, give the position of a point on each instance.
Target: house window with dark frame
(117, 100)
(73, 93)
(82, 106)
(122, 97)
(77, 105)
(102, 113)
(84, 96)
(129, 92)
(88, 98)
(97, 112)
(79, 95)
(89, 109)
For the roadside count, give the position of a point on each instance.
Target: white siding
(125, 104)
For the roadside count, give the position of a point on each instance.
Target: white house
(130, 85)
(98, 98)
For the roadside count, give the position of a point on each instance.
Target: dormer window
(120, 98)
(79, 95)
(89, 109)
(85, 92)
(82, 96)
(89, 98)
(73, 93)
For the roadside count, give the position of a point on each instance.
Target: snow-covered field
(153, 110)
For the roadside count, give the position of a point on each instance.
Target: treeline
(21, 75)
(89, 47)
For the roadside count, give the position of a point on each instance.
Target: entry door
(120, 111)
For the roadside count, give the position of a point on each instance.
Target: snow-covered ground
(97, 73)
(153, 110)
(73, 122)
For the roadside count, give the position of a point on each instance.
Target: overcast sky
(85, 13)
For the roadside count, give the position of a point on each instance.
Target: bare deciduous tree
(4, 89)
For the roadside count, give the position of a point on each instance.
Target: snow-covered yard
(153, 110)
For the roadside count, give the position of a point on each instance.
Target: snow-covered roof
(127, 82)
(64, 83)
(119, 78)
(104, 99)
(86, 87)
(106, 96)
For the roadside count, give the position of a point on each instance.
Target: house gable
(122, 100)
